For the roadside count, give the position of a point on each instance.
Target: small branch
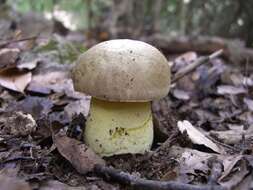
(23, 158)
(190, 68)
(3, 44)
(144, 184)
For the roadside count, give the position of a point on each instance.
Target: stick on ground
(3, 44)
(124, 178)
(191, 67)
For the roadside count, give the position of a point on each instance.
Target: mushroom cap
(122, 70)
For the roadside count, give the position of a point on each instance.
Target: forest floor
(203, 128)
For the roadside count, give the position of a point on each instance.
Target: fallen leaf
(196, 136)
(227, 89)
(229, 163)
(15, 80)
(249, 103)
(240, 171)
(8, 58)
(28, 60)
(205, 115)
(36, 106)
(192, 162)
(28, 65)
(234, 135)
(58, 81)
(77, 153)
(246, 183)
(17, 124)
(38, 89)
(181, 94)
(206, 77)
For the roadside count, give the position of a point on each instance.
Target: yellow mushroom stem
(119, 127)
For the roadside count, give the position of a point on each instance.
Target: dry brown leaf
(77, 153)
(196, 136)
(14, 79)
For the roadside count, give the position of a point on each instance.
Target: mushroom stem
(119, 127)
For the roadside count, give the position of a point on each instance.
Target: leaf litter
(42, 124)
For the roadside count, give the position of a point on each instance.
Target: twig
(3, 44)
(229, 147)
(23, 158)
(144, 184)
(180, 74)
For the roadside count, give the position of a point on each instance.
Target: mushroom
(123, 76)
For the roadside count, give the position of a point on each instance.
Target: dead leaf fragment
(227, 89)
(196, 136)
(57, 81)
(249, 103)
(237, 169)
(28, 60)
(8, 58)
(14, 79)
(229, 163)
(193, 161)
(77, 153)
(181, 94)
(28, 65)
(192, 164)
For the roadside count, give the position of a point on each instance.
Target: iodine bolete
(122, 76)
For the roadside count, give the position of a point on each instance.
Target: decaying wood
(234, 50)
(144, 184)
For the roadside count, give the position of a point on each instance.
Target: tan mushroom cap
(123, 71)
